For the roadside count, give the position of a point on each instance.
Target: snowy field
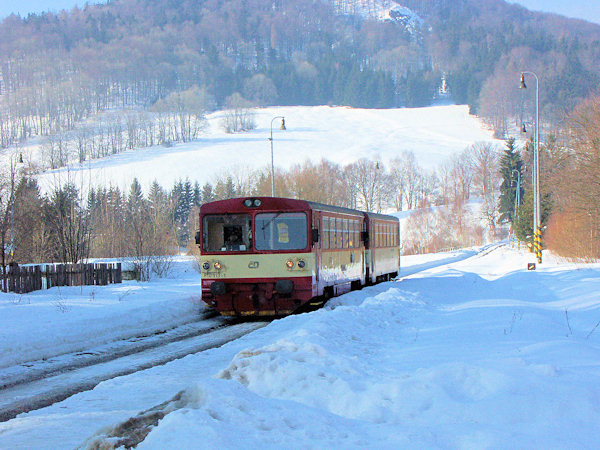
(466, 350)
(47, 323)
(339, 134)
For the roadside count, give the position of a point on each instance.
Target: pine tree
(207, 193)
(157, 196)
(135, 200)
(511, 165)
(197, 195)
(524, 223)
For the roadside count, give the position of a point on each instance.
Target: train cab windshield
(229, 232)
(280, 231)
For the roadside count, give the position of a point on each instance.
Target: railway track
(39, 384)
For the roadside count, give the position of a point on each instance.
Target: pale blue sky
(24, 7)
(583, 9)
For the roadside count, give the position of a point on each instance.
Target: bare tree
(406, 179)
(462, 175)
(574, 182)
(368, 178)
(486, 178)
(238, 116)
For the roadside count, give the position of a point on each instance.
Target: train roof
(270, 203)
(379, 216)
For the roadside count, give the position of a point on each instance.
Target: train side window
(345, 236)
(388, 237)
(325, 233)
(337, 234)
(350, 233)
(374, 237)
(387, 234)
(331, 233)
(333, 242)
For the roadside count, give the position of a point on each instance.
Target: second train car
(266, 256)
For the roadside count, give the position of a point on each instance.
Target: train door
(316, 230)
(361, 247)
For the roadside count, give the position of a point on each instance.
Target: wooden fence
(23, 279)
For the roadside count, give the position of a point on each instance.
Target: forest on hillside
(59, 69)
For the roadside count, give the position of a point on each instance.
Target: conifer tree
(511, 165)
(207, 193)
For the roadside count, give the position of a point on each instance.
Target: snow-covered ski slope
(339, 134)
(467, 350)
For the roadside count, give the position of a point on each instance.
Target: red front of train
(256, 256)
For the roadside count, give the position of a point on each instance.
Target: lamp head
(523, 85)
(282, 123)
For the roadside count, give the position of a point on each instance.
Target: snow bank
(441, 360)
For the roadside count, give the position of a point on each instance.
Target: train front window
(280, 231)
(226, 233)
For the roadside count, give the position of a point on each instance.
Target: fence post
(13, 270)
(38, 278)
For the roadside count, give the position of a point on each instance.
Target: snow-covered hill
(340, 134)
(380, 10)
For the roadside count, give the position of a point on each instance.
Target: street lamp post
(272, 164)
(537, 228)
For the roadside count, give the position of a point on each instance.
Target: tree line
(72, 222)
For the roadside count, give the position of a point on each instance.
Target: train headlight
(289, 264)
(206, 265)
(218, 265)
(301, 264)
(252, 202)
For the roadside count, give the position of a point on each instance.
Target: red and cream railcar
(270, 256)
(383, 247)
